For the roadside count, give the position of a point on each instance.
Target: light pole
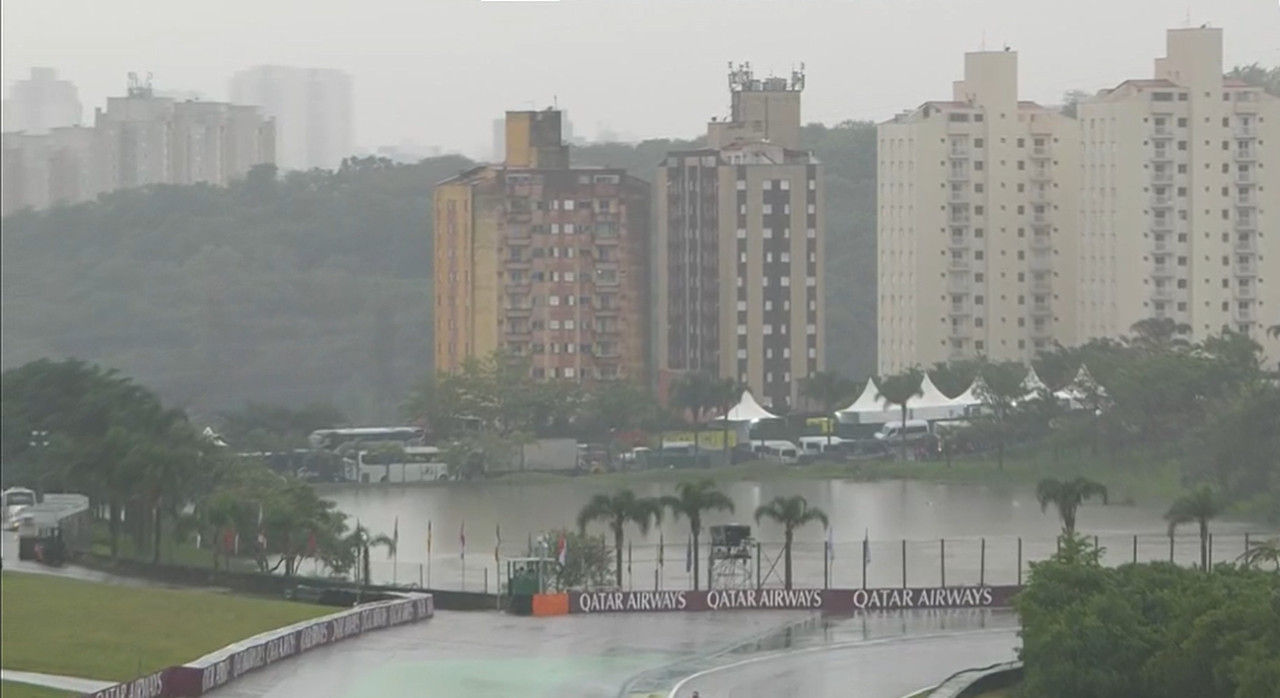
(39, 443)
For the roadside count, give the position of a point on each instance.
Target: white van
(916, 429)
(779, 451)
(817, 445)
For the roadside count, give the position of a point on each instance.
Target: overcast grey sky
(439, 71)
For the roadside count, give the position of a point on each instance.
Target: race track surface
(490, 655)
(874, 669)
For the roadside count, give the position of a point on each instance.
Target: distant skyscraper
(312, 109)
(41, 103)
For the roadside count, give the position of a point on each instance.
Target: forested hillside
(316, 287)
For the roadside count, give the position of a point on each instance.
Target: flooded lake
(981, 526)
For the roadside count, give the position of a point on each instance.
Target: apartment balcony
(1246, 154)
(1041, 309)
(958, 264)
(1040, 174)
(959, 219)
(1247, 269)
(1161, 201)
(1247, 246)
(1242, 314)
(958, 242)
(961, 309)
(1162, 177)
(1161, 224)
(1161, 132)
(958, 153)
(1244, 177)
(523, 311)
(959, 195)
(957, 354)
(1245, 130)
(1161, 155)
(1041, 287)
(1039, 219)
(1041, 263)
(1040, 196)
(1246, 224)
(959, 175)
(1246, 293)
(1041, 244)
(959, 284)
(1040, 330)
(1162, 271)
(1040, 151)
(960, 331)
(1162, 293)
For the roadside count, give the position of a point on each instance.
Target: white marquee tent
(872, 408)
(747, 410)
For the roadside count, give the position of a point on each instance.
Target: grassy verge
(1132, 477)
(13, 689)
(116, 633)
(172, 551)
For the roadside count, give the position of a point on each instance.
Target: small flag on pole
(497, 546)
(262, 532)
(866, 548)
(428, 540)
(462, 540)
(562, 550)
(661, 545)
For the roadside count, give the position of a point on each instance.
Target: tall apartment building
(137, 140)
(42, 103)
(1176, 172)
(740, 231)
(976, 226)
(544, 260)
(313, 109)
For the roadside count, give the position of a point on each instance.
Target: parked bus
(333, 439)
(418, 464)
(15, 499)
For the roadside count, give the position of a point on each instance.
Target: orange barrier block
(550, 604)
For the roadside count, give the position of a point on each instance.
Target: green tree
(617, 510)
(692, 500)
(1200, 506)
(899, 390)
(1258, 76)
(830, 391)
(790, 513)
(1261, 551)
(360, 541)
(1000, 391)
(1066, 496)
(698, 394)
(587, 561)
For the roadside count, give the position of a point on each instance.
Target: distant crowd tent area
(333, 439)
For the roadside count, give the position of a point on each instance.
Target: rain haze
(437, 72)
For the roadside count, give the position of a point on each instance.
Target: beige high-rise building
(313, 110)
(976, 224)
(740, 229)
(1175, 174)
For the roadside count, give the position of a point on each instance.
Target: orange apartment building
(544, 260)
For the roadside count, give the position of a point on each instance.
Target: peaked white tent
(973, 396)
(1032, 385)
(747, 410)
(929, 397)
(868, 401)
(1081, 388)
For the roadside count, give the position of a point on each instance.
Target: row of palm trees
(1199, 506)
(691, 501)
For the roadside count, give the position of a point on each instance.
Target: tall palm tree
(898, 390)
(690, 501)
(791, 513)
(360, 540)
(1067, 496)
(617, 510)
(1262, 551)
(1200, 506)
(830, 390)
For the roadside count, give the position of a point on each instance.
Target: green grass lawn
(116, 633)
(13, 689)
(172, 552)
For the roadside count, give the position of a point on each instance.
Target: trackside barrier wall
(835, 601)
(233, 661)
(975, 682)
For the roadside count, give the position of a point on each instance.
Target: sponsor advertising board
(232, 662)
(837, 601)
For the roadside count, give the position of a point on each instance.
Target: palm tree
(697, 394)
(616, 510)
(830, 390)
(898, 390)
(1262, 551)
(360, 541)
(690, 501)
(791, 513)
(1200, 506)
(1067, 496)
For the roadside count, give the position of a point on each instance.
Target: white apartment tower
(42, 103)
(976, 224)
(1175, 174)
(312, 108)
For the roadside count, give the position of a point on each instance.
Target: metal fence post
(1135, 548)
(904, 563)
(942, 558)
(1019, 560)
(982, 564)
(758, 548)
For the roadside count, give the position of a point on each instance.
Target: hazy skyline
(438, 72)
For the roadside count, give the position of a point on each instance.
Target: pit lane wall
(224, 666)
(833, 601)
